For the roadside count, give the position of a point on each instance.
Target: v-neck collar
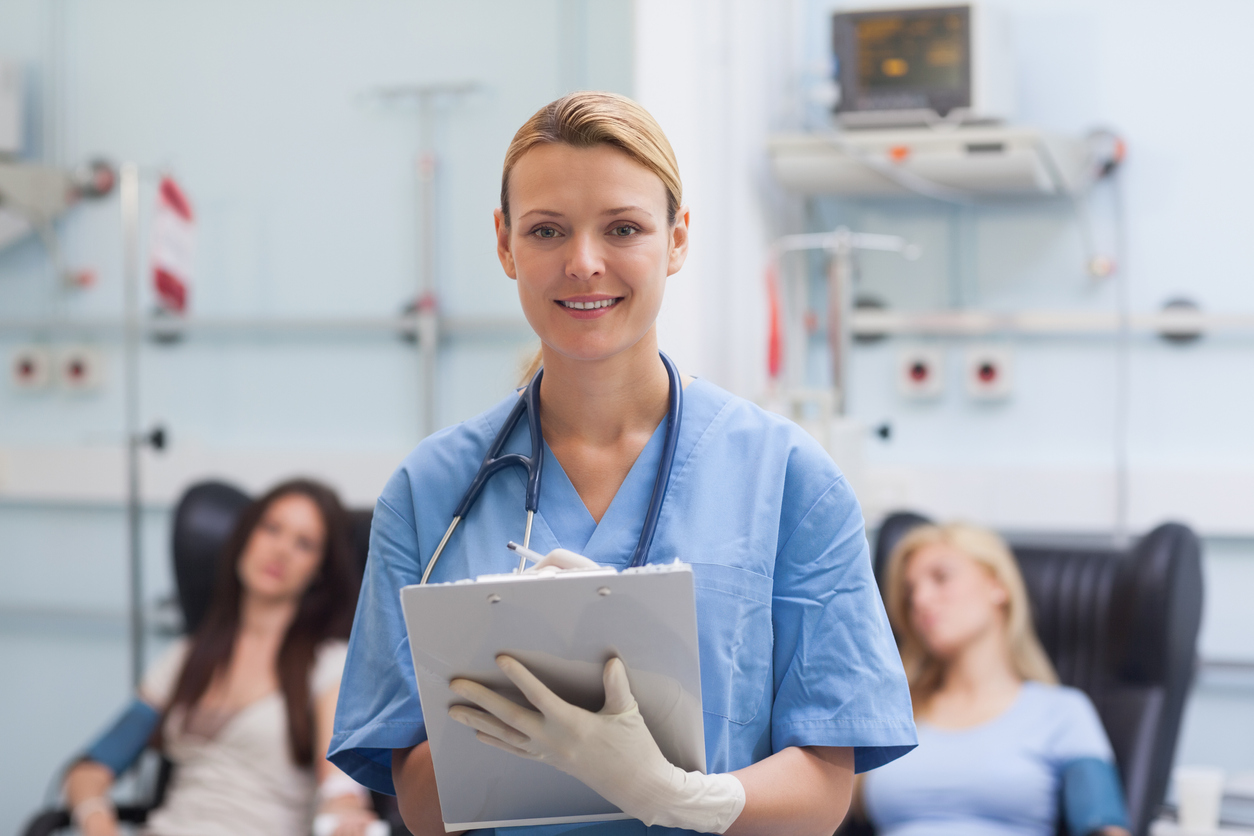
(565, 509)
(563, 520)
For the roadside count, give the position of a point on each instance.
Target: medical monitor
(920, 65)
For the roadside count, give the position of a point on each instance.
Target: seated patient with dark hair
(1003, 749)
(244, 707)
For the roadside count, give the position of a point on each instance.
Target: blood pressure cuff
(124, 741)
(1092, 796)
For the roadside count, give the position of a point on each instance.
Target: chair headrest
(892, 529)
(204, 519)
(1156, 621)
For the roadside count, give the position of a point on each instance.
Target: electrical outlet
(30, 367)
(80, 368)
(990, 373)
(921, 373)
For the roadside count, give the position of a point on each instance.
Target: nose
(584, 260)
(919, 596)
(284, 547)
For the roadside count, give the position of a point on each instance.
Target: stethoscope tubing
(494, 461)
(674, 417)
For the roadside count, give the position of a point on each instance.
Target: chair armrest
(51, 821)
(133, 814)
(47, 823)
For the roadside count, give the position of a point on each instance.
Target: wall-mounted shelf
(957, 164)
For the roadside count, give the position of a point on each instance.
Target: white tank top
(237, 779)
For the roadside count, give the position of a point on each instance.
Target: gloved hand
(562, 559)
(611, 751)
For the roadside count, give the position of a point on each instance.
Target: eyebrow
(549, 213)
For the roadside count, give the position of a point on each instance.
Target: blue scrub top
(795, 646)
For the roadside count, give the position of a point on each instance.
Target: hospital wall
(306, 193)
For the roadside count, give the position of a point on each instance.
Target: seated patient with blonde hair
(1003, 749)
(244, 707)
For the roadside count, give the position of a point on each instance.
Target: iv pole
(428, 98)
(129, 190)
(132, 328)
(840, 245)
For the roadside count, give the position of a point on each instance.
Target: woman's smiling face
(591, 247)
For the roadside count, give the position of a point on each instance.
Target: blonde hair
(585, 120)
(530, 365)
(923, 670)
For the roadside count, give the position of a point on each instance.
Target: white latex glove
(563, 559)
(611, 751)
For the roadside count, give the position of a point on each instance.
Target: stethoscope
(529, 404)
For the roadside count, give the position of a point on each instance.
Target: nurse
(801, 681)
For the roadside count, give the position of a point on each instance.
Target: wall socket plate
(80, 368)
(30, 367)
(921, 373)
(989, 372)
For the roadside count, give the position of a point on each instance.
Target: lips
(589, 305)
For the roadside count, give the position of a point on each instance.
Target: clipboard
(564, 627)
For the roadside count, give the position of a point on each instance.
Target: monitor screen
(904, 59)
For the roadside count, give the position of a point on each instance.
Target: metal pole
(839, 313)
(427, 338)
(429, 98)
(129, 190)
(1123, 379)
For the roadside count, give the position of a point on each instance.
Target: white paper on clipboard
(564, 628)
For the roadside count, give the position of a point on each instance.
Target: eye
(624, 231)
(545, 232)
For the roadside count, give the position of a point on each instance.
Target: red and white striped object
(173, 246)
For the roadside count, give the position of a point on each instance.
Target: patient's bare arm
(88, 780)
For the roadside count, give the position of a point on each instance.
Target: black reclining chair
(1120, 625)
(203, 521)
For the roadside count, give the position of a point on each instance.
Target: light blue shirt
(795, 647)
(1001, 778)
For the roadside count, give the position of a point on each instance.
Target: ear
(999, 594)
(503, 251)
(679, 242)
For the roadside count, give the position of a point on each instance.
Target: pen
(523, 551)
